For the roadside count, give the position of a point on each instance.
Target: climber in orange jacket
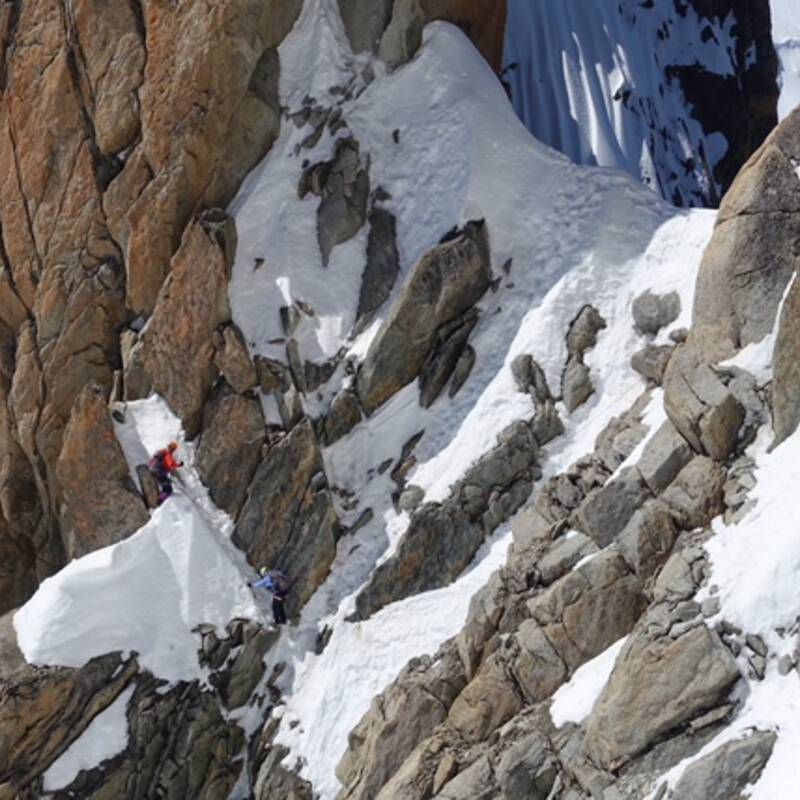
(162, 465)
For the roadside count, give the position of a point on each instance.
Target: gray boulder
(576, 384)
(655, 687)
(696, 495)
(651, 362)
(447, 282)
(288, 520)
(606, 511)
(583, 330)
(538, 668)
(462, 370)
(451, 341)
(530, 379)
(365, 23)
(404, 714)
(343, 186)
(652, 312)
(702, 408)
(647, 540)
(239, 679)
(526, 770)
(562, 556)
(590, 608)
(488, 701)
(622, 434)
(230, 446)
(344, 415)
(724, 773)
(233, 360)
(664, 456)
(382, 268)
(752, 254)
(786, 367)
(476, 782)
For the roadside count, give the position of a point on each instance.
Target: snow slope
(573, 235)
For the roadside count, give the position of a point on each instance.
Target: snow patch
(574, 701)
(105, 737)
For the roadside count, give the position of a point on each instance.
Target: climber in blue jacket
(276, 582)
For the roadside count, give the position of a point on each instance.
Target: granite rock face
(446, 283)
(753, 252)
(119, 122)
(99, 503)
(178, 343)
(288, 521)
(393, 28)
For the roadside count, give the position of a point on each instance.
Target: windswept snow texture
(786, 35)
(590, 79)
(106, 736)
(146, 593)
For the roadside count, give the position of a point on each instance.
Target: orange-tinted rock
(99, 504)
(178, 343)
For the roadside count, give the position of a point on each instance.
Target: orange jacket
(165, 460)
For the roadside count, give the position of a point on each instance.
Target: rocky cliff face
(119, 122)
(382, 357)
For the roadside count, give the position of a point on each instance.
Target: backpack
(156, 463)
(280, 583)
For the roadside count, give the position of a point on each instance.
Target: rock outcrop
(230, 446)
(753, 252)
(656, 686)
(728, 770)
(178, 342)
(442, 538)
(393, 28)
(99, 502)
(42, 711)
(288, 521)
(559, 602)
(117, 125)
(786, 367)
(445, 284)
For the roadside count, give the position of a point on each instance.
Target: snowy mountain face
(520, 432)
(678, 94)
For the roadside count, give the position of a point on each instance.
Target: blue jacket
(273, 583)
